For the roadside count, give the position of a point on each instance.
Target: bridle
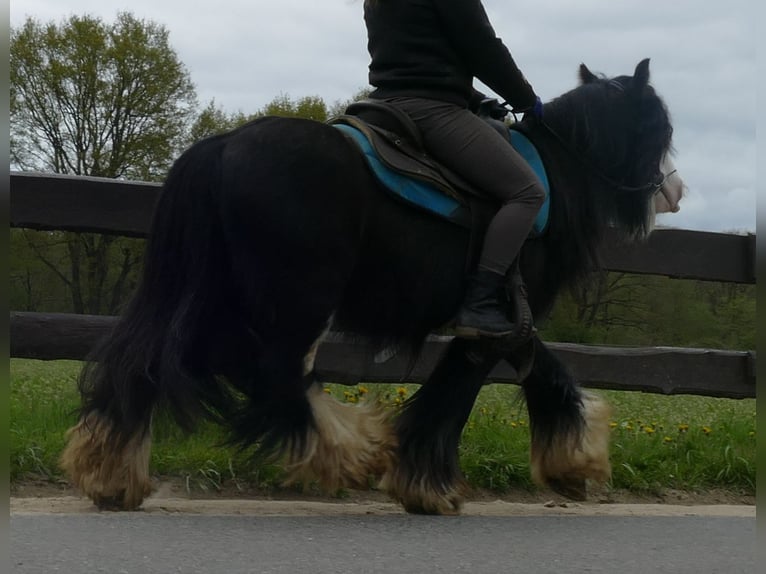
(652, 187)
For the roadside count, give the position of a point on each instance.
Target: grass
(658, 442)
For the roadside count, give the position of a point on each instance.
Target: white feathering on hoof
(113, 478)
(347, 445)
(564, 460)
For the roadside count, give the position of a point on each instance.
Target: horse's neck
(575, 230)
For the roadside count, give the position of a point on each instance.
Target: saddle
(393, 147)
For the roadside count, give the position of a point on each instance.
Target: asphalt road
(143, 543)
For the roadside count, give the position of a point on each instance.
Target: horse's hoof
(417, 496)
(443, 506)
(120, 501)
(451, 508)
(110, 503)
(572, 488)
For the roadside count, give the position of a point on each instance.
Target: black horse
(266, 237)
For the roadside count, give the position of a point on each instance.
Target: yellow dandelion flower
(707, 430)
(363, 390)
(683, 428)
(648, 430)
(513, 424)
(668, 439)
(401, 391)
(326, 390)
(612, 424)
(628, 426)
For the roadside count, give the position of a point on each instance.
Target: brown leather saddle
(398, 143)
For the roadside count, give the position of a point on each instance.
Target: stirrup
(516, 291)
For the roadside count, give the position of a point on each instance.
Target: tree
(644, 310)
(214, 120)
(340, 106)
(307, 107)
(89, 98)
(107, 100)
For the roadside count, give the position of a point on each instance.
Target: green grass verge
(658, 442)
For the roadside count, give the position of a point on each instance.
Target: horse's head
(621, 130)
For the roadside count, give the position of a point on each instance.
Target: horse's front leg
(570, 427)
(427, 478)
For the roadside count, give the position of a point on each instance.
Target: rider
(424, 56)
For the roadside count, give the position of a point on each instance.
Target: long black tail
(156, 353)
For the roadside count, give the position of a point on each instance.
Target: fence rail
(56, 202)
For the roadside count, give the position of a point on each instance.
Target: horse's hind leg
(348, 445)
(107, 451)
(427, 478)
(293, 217)
(111, 471)
(288, 416)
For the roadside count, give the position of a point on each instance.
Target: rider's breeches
(475, 151)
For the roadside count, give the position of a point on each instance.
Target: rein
(652, 186)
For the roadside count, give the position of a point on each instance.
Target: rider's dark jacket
(434, 48)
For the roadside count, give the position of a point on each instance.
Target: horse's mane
(615, 133)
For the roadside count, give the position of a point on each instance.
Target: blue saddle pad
(428, 197)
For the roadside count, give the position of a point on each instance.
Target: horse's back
(282, 174)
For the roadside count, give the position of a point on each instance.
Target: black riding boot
(482, 314)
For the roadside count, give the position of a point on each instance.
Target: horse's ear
(586, 75)
(641, 75)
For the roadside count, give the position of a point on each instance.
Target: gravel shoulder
(172, 497)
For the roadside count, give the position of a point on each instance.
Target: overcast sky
(244, 53)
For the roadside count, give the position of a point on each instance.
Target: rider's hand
(535, 110)
(496, 110)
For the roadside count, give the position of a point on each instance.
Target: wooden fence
(55, 202)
